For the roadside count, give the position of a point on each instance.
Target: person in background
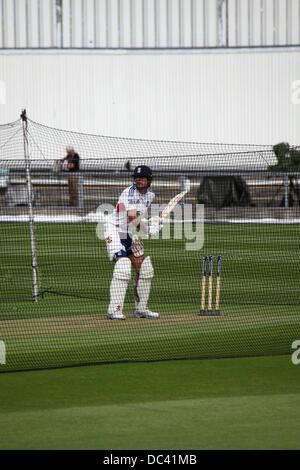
(72, 167)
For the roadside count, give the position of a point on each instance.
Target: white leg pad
(118, 286)
(144, 284)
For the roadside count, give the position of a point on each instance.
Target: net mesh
(240, 206)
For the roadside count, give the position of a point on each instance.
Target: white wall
(203, 97)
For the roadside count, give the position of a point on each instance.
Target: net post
(30, 206)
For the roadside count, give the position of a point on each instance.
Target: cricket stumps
(210, 311)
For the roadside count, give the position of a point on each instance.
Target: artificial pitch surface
(243, 403)
(259, 294)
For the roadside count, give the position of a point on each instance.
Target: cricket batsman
(131, 214)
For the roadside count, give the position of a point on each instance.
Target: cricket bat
(175, 200)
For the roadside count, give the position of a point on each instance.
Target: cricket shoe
(115, 316)
(146, 314)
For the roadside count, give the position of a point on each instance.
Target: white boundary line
(94, 218)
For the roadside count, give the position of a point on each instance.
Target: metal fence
(265, 190)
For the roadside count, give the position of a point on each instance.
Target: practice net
(225, 262)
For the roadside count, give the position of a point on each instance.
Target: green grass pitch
(244, 403)
(259, 294)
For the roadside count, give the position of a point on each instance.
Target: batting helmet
(143, 171)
